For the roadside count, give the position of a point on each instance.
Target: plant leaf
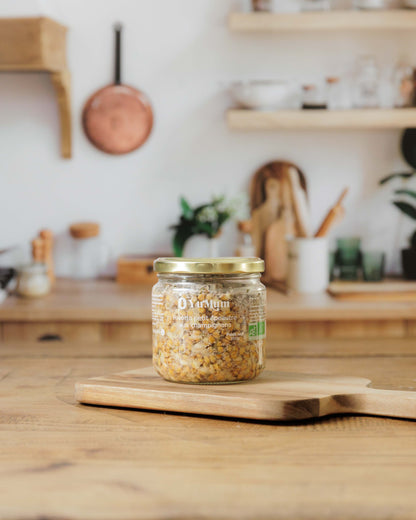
(186, 208)
(410, 193)
(179, 241)
(406, 208)
(402, 175)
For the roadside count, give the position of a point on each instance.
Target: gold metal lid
(232, 265)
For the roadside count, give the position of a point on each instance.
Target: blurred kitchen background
(183, 55)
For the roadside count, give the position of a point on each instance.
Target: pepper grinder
(46, 236)
(38, 250)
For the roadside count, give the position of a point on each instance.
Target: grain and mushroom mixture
(208, 320)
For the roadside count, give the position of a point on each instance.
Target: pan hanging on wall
(117, 119)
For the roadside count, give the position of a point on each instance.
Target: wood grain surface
(107, 301)
(273, 396)
(323, 21)
(63, 460)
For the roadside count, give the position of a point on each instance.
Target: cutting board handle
(389, 403)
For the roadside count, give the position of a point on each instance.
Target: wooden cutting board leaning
(274, 396)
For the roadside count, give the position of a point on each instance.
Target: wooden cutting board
(387, 291)
(274, 396)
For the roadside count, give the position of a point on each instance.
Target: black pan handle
(117, 71)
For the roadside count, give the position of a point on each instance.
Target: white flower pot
(200, 246)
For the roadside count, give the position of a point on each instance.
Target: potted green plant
(408, 209)
(206, 220)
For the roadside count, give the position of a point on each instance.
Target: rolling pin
(332, 216)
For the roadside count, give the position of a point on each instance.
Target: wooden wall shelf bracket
(39, 45)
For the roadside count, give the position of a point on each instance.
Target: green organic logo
(257, 330)
(252, 330)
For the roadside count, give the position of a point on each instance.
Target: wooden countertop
(63, 460)
(107, 301)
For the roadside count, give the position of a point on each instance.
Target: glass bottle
(367, 83)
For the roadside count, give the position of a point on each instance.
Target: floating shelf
(240, 119)
(323, 21)
(39, 45)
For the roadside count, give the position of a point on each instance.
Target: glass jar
(90, 254)
(367, 83)
(313, 97)
(33, 281)
(316, 5)
(209, 320)
(334, 93)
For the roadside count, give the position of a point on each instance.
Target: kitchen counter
(106, 300)
(63, 460)
(105, 310)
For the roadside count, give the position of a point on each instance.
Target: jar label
(197, 312)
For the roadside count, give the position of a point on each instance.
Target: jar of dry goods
(209, 319)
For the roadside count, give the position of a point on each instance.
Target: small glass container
(33, 281)
(316, 5)
(245, 247)
(89, 253)
(313, 97)
(209, 319)
(334, 93)
(367, 83)
(348, 257)
(373, 266)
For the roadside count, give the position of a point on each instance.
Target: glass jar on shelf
(403, 85)
(313, 97)
(334, 93)
(316, 5)
(367, 83)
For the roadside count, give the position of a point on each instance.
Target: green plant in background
(206, 219)
(405, 207)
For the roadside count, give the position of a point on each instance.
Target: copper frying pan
(117, 119)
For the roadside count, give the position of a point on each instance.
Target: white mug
(308, 265)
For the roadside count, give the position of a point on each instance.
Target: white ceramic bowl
(263, 95)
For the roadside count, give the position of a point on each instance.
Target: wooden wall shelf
(240, 119)
(39, 45)
(323, 21)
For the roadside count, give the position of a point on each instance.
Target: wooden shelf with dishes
(397, 118)
(399, 19)
(39, 45)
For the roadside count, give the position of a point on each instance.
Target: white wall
(179, 52)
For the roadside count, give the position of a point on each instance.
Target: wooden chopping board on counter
(274, 396)
(385, 291)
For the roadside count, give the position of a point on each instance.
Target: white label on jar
(210, 315)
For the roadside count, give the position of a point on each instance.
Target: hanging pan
(117, 119)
